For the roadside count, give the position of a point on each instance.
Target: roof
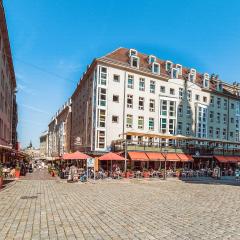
(121, 56)
(227, 159)
(111, 156)
(75, 156)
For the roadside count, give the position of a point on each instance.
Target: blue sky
(53, 41)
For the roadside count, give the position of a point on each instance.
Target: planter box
(17, 173)
(146, 174)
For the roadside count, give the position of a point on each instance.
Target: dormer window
(151, 59)
(206, 80)
(132, 52)
(191, 77)
(134, 61)
(219, 86)
(168, 66)
(156, 68)
(174, 73)
(193, 71)
(179, 68)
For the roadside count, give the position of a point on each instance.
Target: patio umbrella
(111, 157)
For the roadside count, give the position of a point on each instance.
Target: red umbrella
(75, 156)
(111, 156)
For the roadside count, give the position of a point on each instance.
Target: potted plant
(146, 173)
(17, 171)
(1, 176)
(178, 172)
(128, 173)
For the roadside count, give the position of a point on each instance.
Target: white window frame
(158, 66)
(151, 119)
(152, 109)
(166, 65)
(129, 96)
(131, 86)
(141, 99)
(129, 117)
(141, 126)
(179, 68)
(206, 79)
(172, 73)
(152, 83)
(150, 57)
(135, 58)
(133, 52)
(142, 80)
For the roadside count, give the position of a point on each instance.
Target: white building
(129, 92)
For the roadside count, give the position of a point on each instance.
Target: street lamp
(165, 163)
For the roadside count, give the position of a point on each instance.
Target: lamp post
(165, 164)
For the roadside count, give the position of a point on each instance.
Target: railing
(193, 149)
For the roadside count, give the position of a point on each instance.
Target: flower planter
(146, 174)
(17, 173)
(1, 182)
(127, 175)
(53, 174)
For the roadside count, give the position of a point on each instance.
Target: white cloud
(34, 108)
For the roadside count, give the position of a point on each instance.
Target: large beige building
(59, 131)
(8, 107)
(126, 92)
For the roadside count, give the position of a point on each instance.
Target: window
(152, 105)
(211, 116)
(101, 139)
(211, 132)
(171, 126)
(134, 61)
(232, 120)
(140, 122)
(231, 134)
(102, 97)
(163, 125)
(206, 80)
(115, 119)
(116, 78)
(225, 104)
(224, 118)
(162, 89)
(188, 110)
(219, 102)
(152, 86)
(174, 73)
(168, 66)
(197, 97)
(103, 75)
(189, 94)
(179, 68)
(232, 105)
(191, 77)
(156, 68)
(212, 100)
(188, 129)
(172, 92)
(224, 133)
(164, 108)
(218, 117)
(180, 110)
(151, 124)
(172, 109)
(132, 52)
(101, 118)
(237, 135)
(141, 103)
(115, 98)
(205, 99)
(179, 128)
(129, 121)
(130, 81)
(130, 101)
(217, 132)
(141, 84)
(180, 93)
(151, 59)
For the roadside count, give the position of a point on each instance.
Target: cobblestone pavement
(135, 209)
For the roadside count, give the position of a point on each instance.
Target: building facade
(59, 131)
(130, 92)
(8, 106)
(44, 145)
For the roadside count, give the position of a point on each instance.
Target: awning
(155, 156)
(172, 157)
(138, 156)
(227, 159)
(75, 156)
(185, 157)
(111, 157)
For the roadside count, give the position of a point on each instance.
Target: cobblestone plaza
(125, 209)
